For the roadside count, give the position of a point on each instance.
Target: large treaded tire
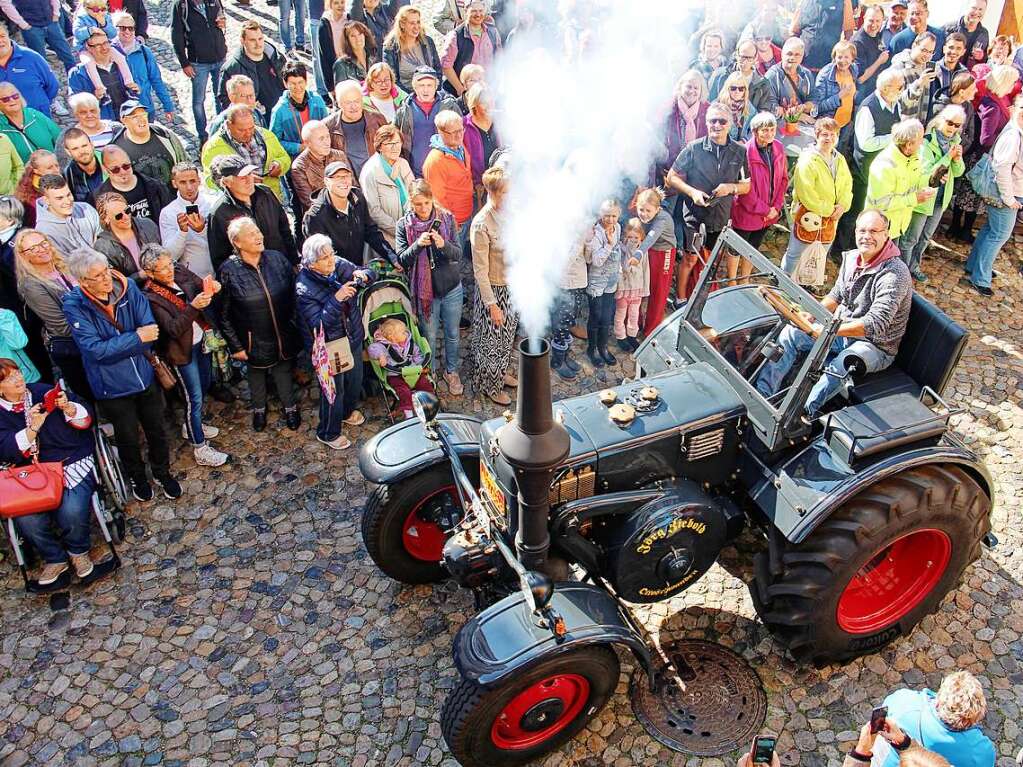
(797, 587)
(470, 710)
(384, 517)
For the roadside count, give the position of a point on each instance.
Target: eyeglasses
(39, 247)
(101, 44)
(9, 99)
(119, 168)
(126, 27)
(455, 132)
(120, 216)
(737, 88)
(96, 8)
(747, 58)
(717, 121)
(953, 124)
(105, 274)
(391, 143)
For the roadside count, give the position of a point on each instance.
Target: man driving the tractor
(871, 297)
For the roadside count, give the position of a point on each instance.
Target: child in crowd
(402, 360)
(93, 14)
(563, 312)
(604, 256)
(658, 247)
(633, 287)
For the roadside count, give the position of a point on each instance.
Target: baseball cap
(897, 4)
(231, 165)
(128, 107)
(336, 166)
(425, 71)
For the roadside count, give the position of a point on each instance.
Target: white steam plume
(579, 111)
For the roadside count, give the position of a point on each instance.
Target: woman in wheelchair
(55, 428)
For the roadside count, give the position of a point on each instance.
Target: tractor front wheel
(405, 525)
(880, 563)
(533, 713)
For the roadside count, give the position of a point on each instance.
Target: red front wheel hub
(421, 536)
(894, 581)
(540, 712)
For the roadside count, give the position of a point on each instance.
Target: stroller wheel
(118, 526)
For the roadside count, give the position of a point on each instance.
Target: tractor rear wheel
(531, 714)
(879, 564)
(405, 525)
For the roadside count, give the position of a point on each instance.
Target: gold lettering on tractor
(675, 526)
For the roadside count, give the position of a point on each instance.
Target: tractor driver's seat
(928, 355)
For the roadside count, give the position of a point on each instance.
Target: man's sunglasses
(717, 121)
(119, 168)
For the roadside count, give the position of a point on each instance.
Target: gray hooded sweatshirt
(78, 230)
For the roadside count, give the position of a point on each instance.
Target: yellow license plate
(490, 489)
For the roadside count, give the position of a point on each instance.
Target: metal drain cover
(711, 704)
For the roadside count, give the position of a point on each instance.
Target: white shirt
(190, 248)
(385, 107)
(864, 128)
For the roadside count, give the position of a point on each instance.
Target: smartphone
(762, 751)
(877, 719)
(435, 226)
(207, 284)
(50, 399)
(191, 209)
(931, 66)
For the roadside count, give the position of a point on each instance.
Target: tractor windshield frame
(776, 423)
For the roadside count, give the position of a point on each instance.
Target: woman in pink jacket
(755, 211)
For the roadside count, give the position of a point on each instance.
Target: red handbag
(31, 489)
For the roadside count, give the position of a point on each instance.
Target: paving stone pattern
(248, 625)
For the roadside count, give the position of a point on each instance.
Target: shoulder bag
(163, 373)
(31, 489)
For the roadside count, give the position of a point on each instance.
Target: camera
(361, 279)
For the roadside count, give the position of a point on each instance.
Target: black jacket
(255, 309)
(269, 216)
(269, 85)
(445, 268)
(158, 194)
(197, 39)
(118, 255)
(78, 180)
(175, 342)
(349, 232)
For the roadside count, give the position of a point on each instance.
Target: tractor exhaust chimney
(534, 444)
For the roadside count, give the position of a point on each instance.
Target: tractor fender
(405, 448)
(505, 639)
(801, 491)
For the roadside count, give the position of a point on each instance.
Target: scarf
(687, 119)
(175, 300)
(398, 182)
(422, 275)
(436, 142)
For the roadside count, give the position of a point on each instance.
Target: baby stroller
(388, 298)
(108, 503)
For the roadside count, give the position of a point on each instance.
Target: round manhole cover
(709, 704)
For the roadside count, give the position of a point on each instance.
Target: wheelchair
(109, 500)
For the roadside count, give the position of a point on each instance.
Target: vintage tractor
(869, 514)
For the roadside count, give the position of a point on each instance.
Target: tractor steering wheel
(786, 310)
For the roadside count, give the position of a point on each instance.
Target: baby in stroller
(403, 362)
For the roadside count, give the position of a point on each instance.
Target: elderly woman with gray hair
(113, 326)
(326, 292)
(86, 111)
(255, 310)
(178, 299)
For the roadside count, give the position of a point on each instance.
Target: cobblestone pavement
(247, 625)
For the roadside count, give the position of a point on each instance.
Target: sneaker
(918, 275)
(258, 420)
(339, 443)
(510, 380)
(625, 345)
(206, 455)
(501, 398)
(292, 418)
(170, 486)
(455, 386)
(82, 564)
(354, 419)
(59, 109)
(209, 431)
(51, 572)
(142, 490)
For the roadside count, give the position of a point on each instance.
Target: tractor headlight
(425, 405)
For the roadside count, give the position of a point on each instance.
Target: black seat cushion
(889, 422)
(928, 354)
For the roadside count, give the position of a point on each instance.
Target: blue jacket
(146, 72)
(78, 82)
(286, 124)
(315, 303)
(31, 74)
(115, 362)
(913, 711)
(826, 90)
(83, 24)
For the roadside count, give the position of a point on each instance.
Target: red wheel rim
(423, 539)
(540, 712)
(894, 581)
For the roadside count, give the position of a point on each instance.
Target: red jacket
(748, 210)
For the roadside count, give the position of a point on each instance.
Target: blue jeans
(37, 38)
(314, 39)
(990, 239)
(284, 27)
(447, 310)
(203, 73)
(917, 237)
(195, 380)
(795, 342)
(329, 427)
(71, 518)
(793, 252)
